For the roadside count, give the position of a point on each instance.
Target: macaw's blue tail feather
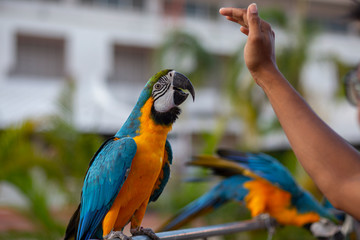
(228, 189)
(200, 206)
(87, 221)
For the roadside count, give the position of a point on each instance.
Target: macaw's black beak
(180, 84)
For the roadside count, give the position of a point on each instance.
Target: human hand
(259, 52)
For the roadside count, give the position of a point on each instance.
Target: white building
(106, 46)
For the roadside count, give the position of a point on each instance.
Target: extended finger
(237, 14)
(244, 30)
(232, 19)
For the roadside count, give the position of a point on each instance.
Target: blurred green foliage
(275, 16)
(42, 154)
(185, 53)
(342, 70)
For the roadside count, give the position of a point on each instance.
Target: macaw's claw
(117, 234)
(144, 231)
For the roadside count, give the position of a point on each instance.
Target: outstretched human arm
(331, 162)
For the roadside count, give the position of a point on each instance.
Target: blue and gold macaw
(132, 168)
(258, 181)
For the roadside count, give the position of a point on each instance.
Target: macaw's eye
(157, 86)
(170, 74)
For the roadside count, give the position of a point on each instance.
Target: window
(202, 10)
(131, 64)
(129, 4)
(39, 56)
(197, 9)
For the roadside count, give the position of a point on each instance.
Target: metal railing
(210, 231)
(262, 222)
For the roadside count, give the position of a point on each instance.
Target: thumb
(253, 19)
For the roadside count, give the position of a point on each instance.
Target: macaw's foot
(144, 231)
(117, 234)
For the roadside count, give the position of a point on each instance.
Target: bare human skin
(331, 162)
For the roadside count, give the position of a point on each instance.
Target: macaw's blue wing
(229, 189)
(339, 214)
(273, 171)
(102, 183)
(165, 173)
(307, 203)
(265, 167)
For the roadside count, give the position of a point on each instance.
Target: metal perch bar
(209, 231)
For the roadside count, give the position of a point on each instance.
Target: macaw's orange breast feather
(161, 175)
(263, 197)
(131, 202)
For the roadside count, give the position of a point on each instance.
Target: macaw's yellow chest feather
(264, 197)
(133, 197)
(150, 144)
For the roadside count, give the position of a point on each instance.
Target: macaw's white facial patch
(165, 102)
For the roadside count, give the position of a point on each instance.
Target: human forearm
(329, 159)
(326, 157)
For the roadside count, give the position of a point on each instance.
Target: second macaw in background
(132, 168)
(258, 181)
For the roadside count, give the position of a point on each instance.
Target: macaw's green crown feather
(149, 85)
(169, 89)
